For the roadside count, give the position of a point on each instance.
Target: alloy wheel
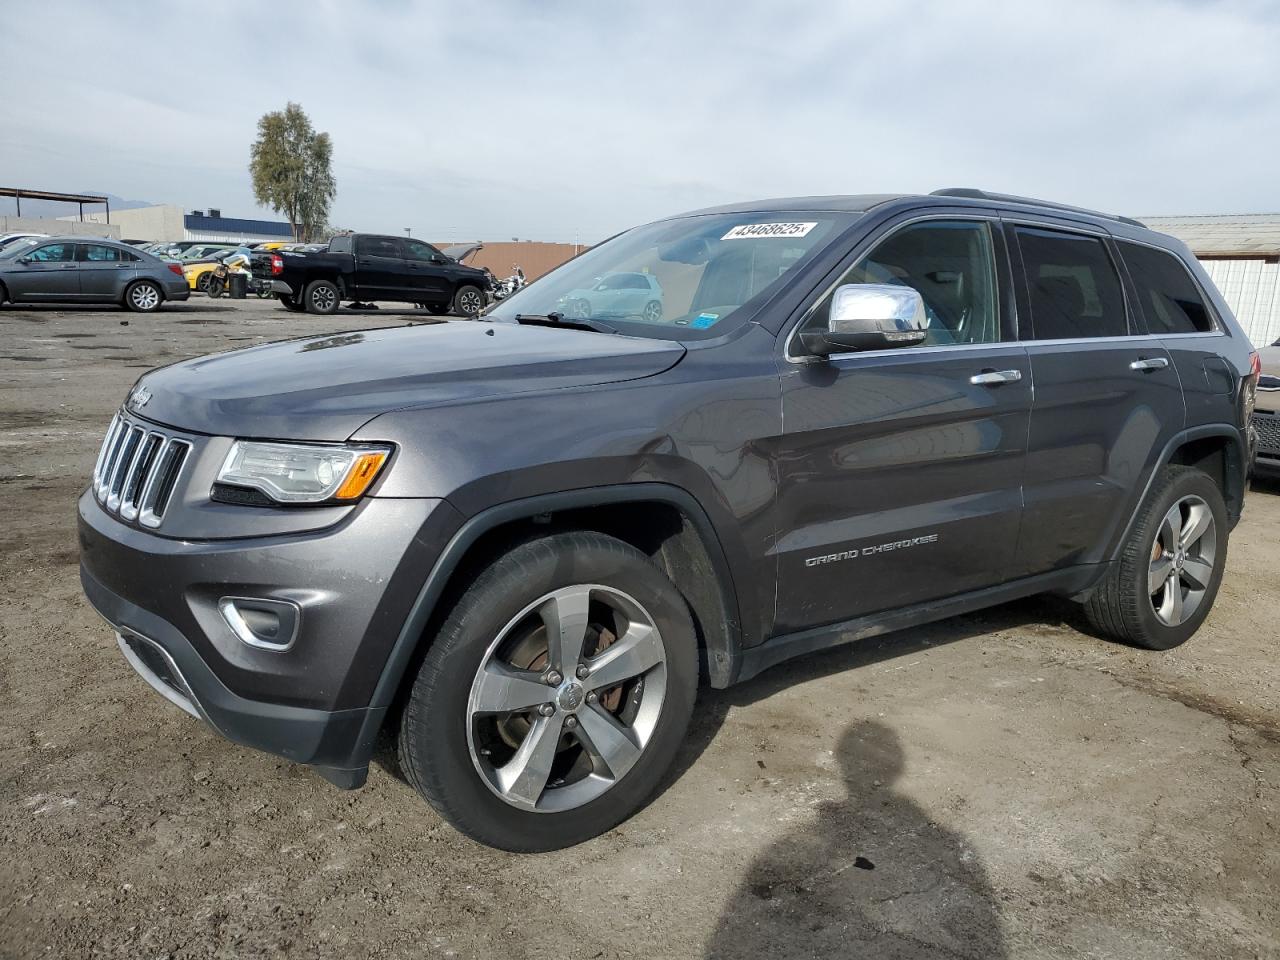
(323, 298)
(567, 698)
(652, 311)
(470, 303)
(1182, 561)
(145, 296)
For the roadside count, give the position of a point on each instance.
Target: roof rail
(972, 193)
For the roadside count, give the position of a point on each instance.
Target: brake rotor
(532, 653)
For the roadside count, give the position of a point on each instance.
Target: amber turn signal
(362, 474)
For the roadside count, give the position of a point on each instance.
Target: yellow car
(197, 272)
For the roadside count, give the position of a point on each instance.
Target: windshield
(16, 248)
(677, 279)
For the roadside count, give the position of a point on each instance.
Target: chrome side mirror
(869, 316)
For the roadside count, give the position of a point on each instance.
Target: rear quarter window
(1170, 299)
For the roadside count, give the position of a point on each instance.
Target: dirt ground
(997, 785)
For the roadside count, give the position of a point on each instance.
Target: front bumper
(354, 583)
(1266, 427)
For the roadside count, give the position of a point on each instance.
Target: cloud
(565, 120)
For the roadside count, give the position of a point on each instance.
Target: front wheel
(555, 696)
(468, 302)
(1164, 584)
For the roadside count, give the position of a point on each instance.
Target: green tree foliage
(292, 169)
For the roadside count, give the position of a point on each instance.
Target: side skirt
(1070, 581)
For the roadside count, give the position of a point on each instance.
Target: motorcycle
(505, 288)
(220, 276)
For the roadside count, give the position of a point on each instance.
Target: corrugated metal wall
(1252, 290)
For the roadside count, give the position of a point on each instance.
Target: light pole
(408, 231)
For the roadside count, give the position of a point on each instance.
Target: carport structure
(80, 199)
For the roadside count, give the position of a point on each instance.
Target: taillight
(277, 265)
(176, 268)
(1255, 366)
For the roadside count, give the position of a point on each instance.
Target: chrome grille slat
(128, 451)
(138, 470)
(163, 483)
(104, 480)
(106, 446)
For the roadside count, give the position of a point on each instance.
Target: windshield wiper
(557, 319)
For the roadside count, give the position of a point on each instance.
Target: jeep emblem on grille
(139, 398)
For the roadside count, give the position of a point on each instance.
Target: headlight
(299, 473)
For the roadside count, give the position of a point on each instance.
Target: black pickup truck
(366, 267)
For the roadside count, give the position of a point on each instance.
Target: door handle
(68, 266)
(1149, 363)
(990, 378)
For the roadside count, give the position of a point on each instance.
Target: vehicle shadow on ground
(869, 875)
(714, 705)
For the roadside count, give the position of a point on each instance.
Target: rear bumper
(177, 290)
(279, 286)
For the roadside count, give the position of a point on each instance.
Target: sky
(569, 121)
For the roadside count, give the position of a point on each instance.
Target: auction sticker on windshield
(757, 231)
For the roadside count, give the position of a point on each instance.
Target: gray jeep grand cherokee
(707, 445)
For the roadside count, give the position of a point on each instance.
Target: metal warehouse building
(1242, 255)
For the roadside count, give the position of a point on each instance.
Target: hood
(460, 251)
(326, 388)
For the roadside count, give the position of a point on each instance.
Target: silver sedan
(87, 270)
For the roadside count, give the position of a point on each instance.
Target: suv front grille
(1268, 427)
(137, 471)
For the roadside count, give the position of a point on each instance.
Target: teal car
(617, 295)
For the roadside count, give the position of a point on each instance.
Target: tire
(202, 283)
(453, 755)
(143, 297)
(215, 287)
(468, 301)
(1123, 606)
(652, 311)
(289, 303)
(321, 297)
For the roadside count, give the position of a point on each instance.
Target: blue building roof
(269, 228)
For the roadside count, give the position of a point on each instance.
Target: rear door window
(96, 253)
(380, 247)
(1072, 285)
(1170, 299)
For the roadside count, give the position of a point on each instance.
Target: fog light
(261, 623)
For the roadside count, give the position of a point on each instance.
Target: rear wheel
(652, 311)
(321, 297)
(1162, 588)
(468, 301)
(215, 287)
(143, 297)
(555, 696)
